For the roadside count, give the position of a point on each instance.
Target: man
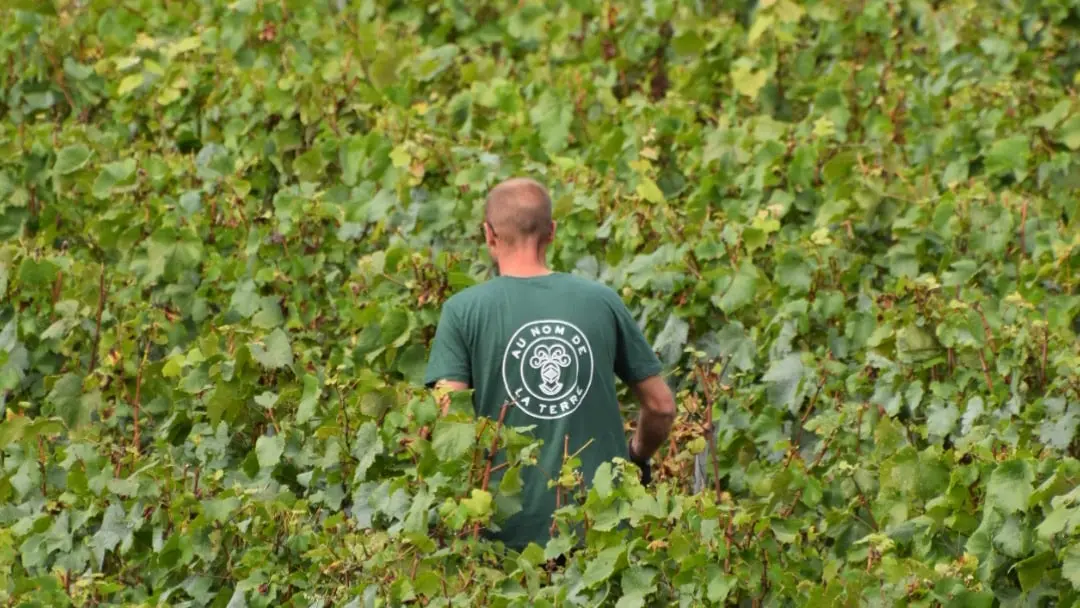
(551, 345)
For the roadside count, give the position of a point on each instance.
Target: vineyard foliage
(848, 227)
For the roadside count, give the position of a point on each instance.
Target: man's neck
(523, 267)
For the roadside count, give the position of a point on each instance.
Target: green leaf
(914, 343)
(275, 352)
(602, 566)
(720, 585)
(66, 397)
(967, 598)
(269, 315)
(237, 599)
(1032, 570)
(309, 165)
(395, 328)
(793, 272)
(602, 480)
(115, 531)
(245, 299)
(267, 399)
(1013, 538)
(740, 291)
(1070, 565)
(1069, 133)
(1010, 486)
(478, 504)
(672, 338)
(972, 411)
(112, 175)
(451, 440)
(130, 83)
(1056, 522)
(733, 343)
(366, 447)
(71, 159)
(269, 451)
(183, 45)
(784, 377)
(648, 190)
(942, 419)
(556, 546)
(552, 117)
(761, 25)
(960, 273)
(637, 583)
(1052, 117)
(351, 156)
(747, 80)
(220, 510)
(511, 482)
(309, 400)
(688, 43)
(413, 363)
(434, 61)
(1009, 155)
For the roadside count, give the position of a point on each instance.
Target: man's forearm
(656, 417)
(652, 430)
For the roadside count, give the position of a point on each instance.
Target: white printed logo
(548, 368)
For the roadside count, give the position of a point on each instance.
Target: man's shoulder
(471, 302)
(486, 292)
(592, 287)
(469, 296)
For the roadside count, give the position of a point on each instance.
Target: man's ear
(489, 236)
(551, 231)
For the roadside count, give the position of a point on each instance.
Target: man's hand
(643, 463)
(443, 388)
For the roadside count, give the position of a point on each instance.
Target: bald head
(519, 210)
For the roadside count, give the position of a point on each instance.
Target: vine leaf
(275, 352)
(1010, 486)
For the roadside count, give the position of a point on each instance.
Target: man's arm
(655, 419)
(443, 388)
(449, 367)
(637, 365)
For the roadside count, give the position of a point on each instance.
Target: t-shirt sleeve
(634, 356)
(449, 358)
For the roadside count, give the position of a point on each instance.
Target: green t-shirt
(553, 344)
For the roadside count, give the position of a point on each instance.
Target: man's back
(549, 345)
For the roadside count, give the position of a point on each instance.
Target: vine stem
(100, 309)
(728, 532)
(986, 328)
(986, 372)
(821, 454)
(490, 459)
(41, 466)
(558, 488)
(136, 405)
(707, 386)
(479, 433)
(345, 415)
(1023, 236)
(858, 430)
(57, 287)
(1045, 349)
(809, 409)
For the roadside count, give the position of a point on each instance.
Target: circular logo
(548, 368)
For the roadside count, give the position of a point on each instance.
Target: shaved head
(519, 210)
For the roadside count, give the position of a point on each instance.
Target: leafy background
(849, 229)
